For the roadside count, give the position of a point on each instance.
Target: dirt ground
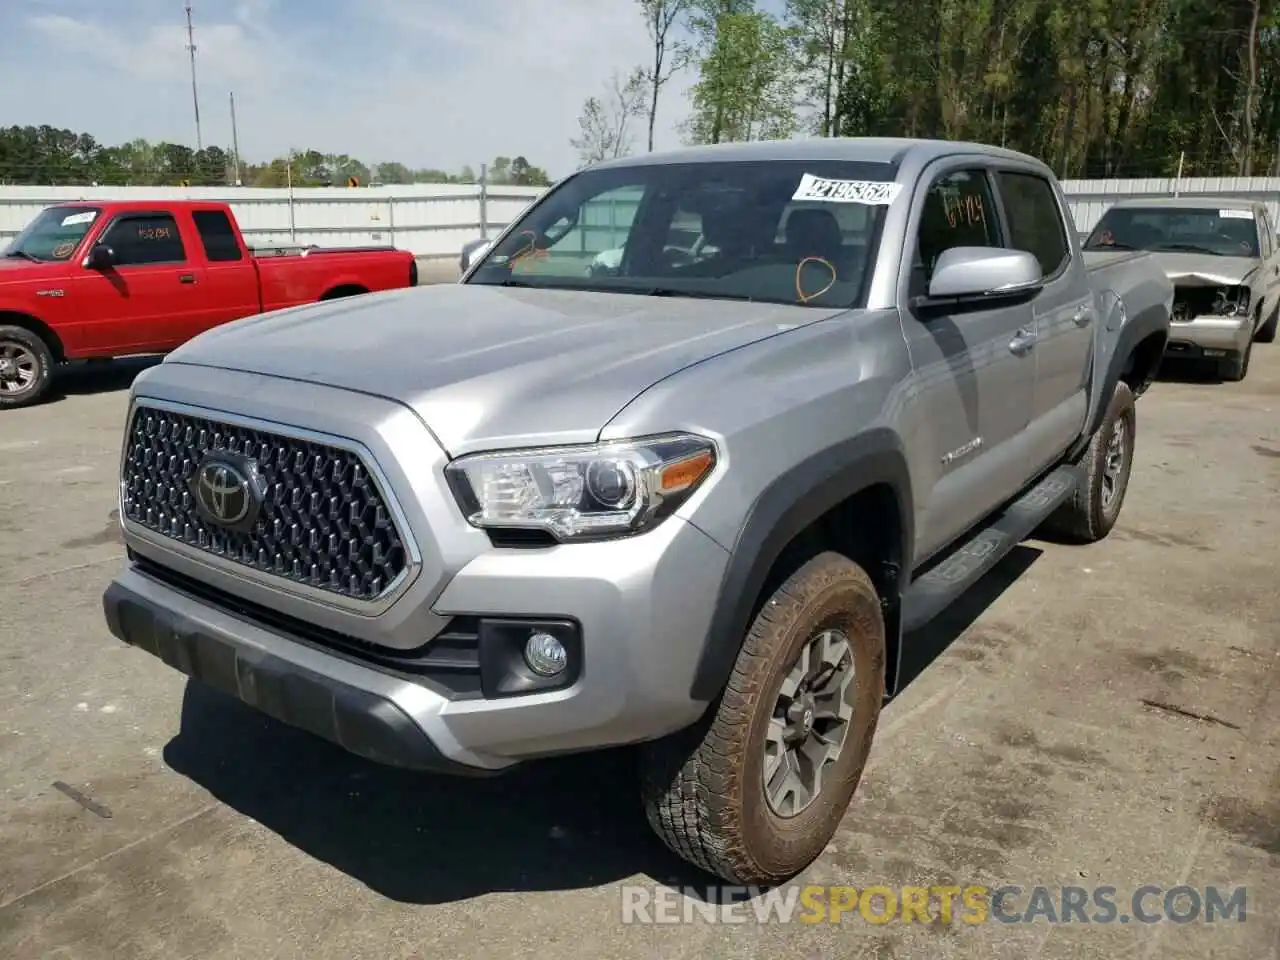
(1105, 715)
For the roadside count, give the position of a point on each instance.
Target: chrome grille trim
(284, 583)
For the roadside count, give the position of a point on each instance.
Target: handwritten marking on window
(966, 211)
(801, 295)
(532, 252)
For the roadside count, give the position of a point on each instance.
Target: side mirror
(100, 257)
(984, 274)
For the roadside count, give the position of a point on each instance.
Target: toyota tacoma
(694, 506)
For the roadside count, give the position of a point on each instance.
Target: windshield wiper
(1189, 248)
(16, 254)
(694, 294)
(1109, 246)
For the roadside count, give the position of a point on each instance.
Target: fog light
(545, 655)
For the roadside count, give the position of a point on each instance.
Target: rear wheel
(1104, 466)
(755, 791)
(26, 367)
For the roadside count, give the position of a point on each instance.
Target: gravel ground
(1101, 715)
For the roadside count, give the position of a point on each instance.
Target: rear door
(971, 399)
(148, 299)
(1063, 313)
(229, 287)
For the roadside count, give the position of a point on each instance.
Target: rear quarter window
(217, 235)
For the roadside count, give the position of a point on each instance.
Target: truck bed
(1132, 276)
(311, 250)
(1095, 260)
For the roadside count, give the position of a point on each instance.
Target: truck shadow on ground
(1180, 370)
(99, 376)
(566, 823)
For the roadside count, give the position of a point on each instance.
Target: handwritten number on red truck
(111, 279)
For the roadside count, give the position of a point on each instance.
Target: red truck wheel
(26, 367)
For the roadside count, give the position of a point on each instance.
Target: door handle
(1082, 317)
(1022, 343)
(187, 278)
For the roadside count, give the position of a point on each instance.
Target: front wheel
(1267, 333)
(1104, 466)
(26, 367)
(754, 792)
(1234, 369)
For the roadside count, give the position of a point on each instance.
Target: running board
(943, 584)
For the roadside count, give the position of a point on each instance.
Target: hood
(1205, 270)
(14, 269)
(493, 367)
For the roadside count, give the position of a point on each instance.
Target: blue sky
(438, 83)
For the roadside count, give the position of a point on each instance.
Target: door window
(1268, 234)
(145, 239)
(1035, 222)
(959, 211)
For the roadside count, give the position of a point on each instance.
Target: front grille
(324, 522)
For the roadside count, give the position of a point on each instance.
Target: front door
(147, 300)
(969, 403)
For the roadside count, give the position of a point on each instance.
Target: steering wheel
(1245, 246)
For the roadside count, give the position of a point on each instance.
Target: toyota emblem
(228, 491)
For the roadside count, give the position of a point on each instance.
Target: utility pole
(235, 141)
(195, 98)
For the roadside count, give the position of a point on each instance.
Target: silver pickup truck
(1223, 257)
(693, 506)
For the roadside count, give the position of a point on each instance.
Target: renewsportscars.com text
(948, 904)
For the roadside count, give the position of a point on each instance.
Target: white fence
(1089, 199)
(436, 220)
(431, 220)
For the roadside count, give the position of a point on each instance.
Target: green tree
(746, 87)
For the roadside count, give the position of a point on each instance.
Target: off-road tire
(44, 366)
(1267, 332)
(703, 788)
(1083, 519)
(1234, 369)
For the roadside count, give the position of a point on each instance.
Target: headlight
(584, 492)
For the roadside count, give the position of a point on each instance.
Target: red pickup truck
(101, 279)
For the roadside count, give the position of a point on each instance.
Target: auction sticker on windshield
(873, 192)
(86, 217)
(1235, 214)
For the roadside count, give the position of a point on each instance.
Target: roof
(889, 150)
(159, 203)
(1198, 202)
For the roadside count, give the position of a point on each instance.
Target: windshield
(777, 231)
(54, 234)
(1223, 233)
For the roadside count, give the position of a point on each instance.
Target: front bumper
(642, 604)
(357, 711)
(1210, 336)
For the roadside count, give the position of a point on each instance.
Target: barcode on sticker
(873, 192)
(75, 218)
(1235, 214)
